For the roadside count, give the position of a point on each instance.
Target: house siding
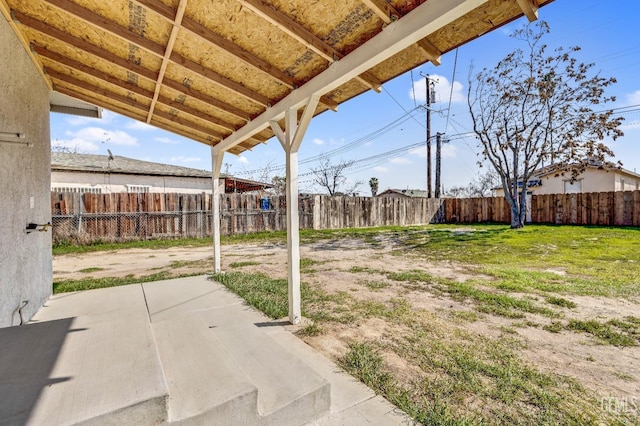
(117, 182)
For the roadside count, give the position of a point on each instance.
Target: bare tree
(483, 186)
(536, 107)
(332, 176)
(373, 184)
(279, 184)
(58, 146)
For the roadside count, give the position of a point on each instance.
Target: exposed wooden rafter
(388, 14)
(384, 10)
(422, 21)
(58, 76)
(432, 52)
(167, 54)
(123, 63)
(75, 65)
(306, 37)
(529, 8)
(111, 27)
(231, 48)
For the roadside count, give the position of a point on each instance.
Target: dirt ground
(608, 370)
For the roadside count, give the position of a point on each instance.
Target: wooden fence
(126, 216)
(599, 208)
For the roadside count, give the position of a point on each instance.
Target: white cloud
(166, 140)
(74, 145)
(633, 98)
(318, 141)
(420, 152)
(449, 151)
(243, 160)
(442, 88)
(98, 135)
(140, 126)
(183, 159)
(381, 169)
(400, 160)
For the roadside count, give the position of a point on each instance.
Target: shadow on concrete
(28, 354)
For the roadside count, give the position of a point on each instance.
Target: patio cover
(233, 73)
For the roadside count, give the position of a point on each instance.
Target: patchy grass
(373, 285)
(606, 332)
(243, 264)
(92, 269)
(89, 283)
(453, 366)
(559, 301)
(599, 261)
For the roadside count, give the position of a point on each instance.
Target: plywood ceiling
(204, 69)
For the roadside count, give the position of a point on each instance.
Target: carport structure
(232, 74)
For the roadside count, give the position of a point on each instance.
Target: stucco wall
(26, 262)
(591, 180)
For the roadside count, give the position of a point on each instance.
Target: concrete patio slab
(204, 381)
(181, 351)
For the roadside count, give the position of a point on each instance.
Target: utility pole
(428, 98)
(438, 162)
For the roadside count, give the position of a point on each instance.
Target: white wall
(115, 182)
(25, 259)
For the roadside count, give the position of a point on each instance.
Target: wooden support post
(291, 139)
(216, 165)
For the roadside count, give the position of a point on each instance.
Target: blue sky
(378, 123)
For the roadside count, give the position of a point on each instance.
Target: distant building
(108, 174)
(550, 180)
(403, 193)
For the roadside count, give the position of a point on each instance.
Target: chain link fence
(84, 228)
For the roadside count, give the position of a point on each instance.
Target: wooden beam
(179, 87)
(234, 50)
(529, 8)
(83, 45)
(421, 22)
(167, 54)
(220, 80)
(388, 14)
(79, 66)
(195, 112)
(239, 53)
(127, 101)
(107, 25)
(432, 52)
(56, 75)
(8, 15)
(112, 107)
(304, 36)
(383, 10)
(157, 49)
(123, 63)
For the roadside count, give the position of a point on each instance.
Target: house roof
(101, 163)
(555, 169)
(413, 193)
(92, 163)
(220, 72)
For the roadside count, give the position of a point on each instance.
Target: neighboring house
(107, 174)
(550, 180)
(403, 193)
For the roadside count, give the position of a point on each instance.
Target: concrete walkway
(183, 351)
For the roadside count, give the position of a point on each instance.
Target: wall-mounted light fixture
(14, 138)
